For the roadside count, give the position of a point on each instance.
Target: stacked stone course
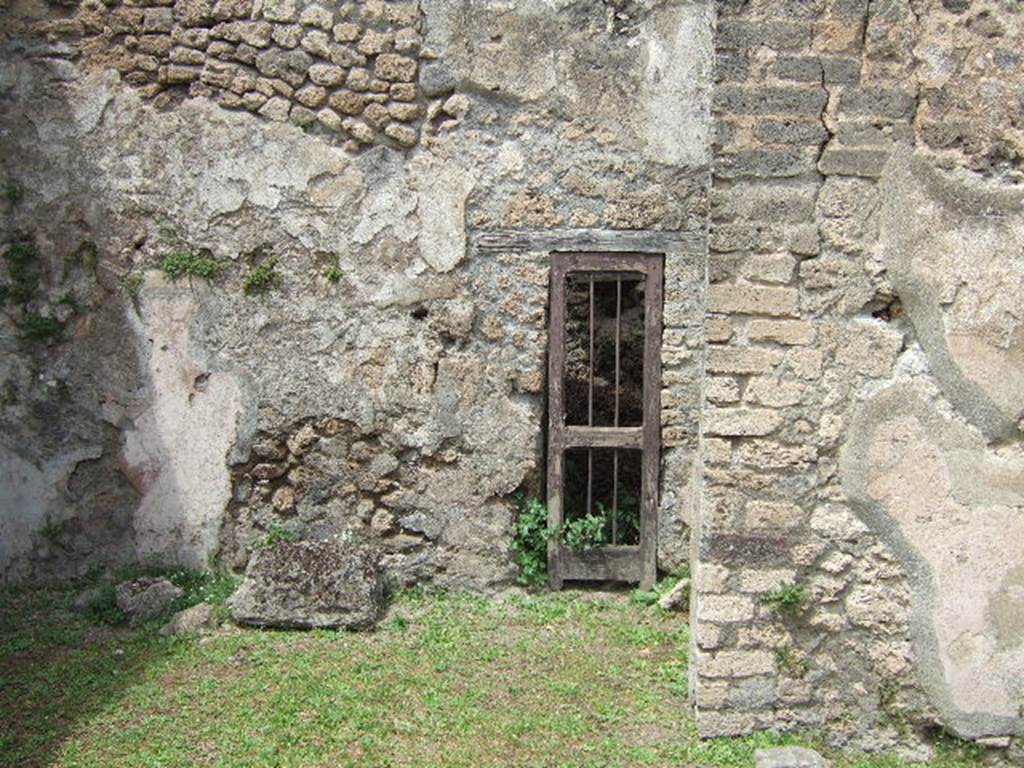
(768, 460)
(346, 69)
(811, 99)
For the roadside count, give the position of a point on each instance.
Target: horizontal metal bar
(643, 263)
(612, 563)
(603, 437)
(604, 277)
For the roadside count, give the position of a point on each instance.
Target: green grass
(572, 679)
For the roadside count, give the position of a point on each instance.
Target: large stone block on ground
(311, 584)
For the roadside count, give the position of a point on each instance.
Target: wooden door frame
(637, 563)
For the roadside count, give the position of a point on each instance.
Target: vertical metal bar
(618, 336)
(615, 453)
(556, 414)
(652, 423)
(590, 406)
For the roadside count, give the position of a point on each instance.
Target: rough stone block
(232, 9)
(807, 132)
(769, 267)
(347, 102)
(718, 330)
(874, 606)
(765, 163)
(193, 13)
(717, 451)
(774, 393)
(158, 20)
(877, 103)
(287, 35)
(869, 163)
(276, 109)
(145, 598)
(741, 236)
(735, 663)
(740, 34)
(759, 203)
(805, 363)
(835, 523)
(317, 43)
(317, 16)
(191, 620)
(346, 32)
(741, 422)
(769, 100)
(773, 515)
(395, 68)
(176, 74)
(765, 581)
(814, 69)
(436, 79)
(722, 390)
(404, 112)
(279, 10)
(326, 74)
(160, 45)
(311, 96)
(789, 332)
(753, 300)
(870, 347)
(403, 134)
(752, 693)
(731, 67)
(768, 454)
(725, 609)
(741, 360)
(309, 584)
(713, 694)
(715, 724)
(725, 133)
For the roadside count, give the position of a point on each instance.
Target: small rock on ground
(85, 600)
(676, 599)
(145, 598)
(788, 757)
(191, 620)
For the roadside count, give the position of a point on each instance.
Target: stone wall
(841, 356)
(391, 381)
(863, 359)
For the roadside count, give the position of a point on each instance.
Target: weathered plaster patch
(961, 541)
(677, 83)
(178, 447)
(957, 263)
(442, 188)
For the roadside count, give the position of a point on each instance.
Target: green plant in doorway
(583, 533)
(530, 542)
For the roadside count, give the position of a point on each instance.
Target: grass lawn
(569, 679)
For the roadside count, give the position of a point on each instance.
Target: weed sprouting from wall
(178, 264)
(261, 277)
(789, 599)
